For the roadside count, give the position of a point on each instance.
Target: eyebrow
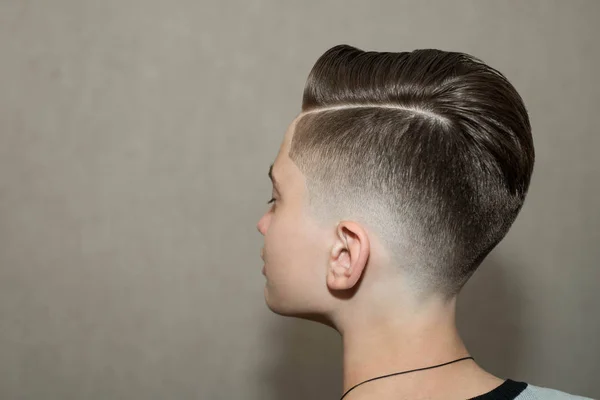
(275, 184)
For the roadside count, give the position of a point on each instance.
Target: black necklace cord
(405, 372)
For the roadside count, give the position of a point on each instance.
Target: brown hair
(430, 149)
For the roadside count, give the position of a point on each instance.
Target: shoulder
(533, 392)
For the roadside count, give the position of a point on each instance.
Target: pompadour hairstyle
(432, 150)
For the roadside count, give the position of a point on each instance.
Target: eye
(271, 201)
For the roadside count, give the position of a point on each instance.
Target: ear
(349, 256)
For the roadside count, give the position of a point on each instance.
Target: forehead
(282, 162)
(285, 170)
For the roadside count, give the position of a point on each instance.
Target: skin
(340, 275)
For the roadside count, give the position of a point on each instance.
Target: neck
(396, 342)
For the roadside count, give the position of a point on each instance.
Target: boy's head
(401, 173)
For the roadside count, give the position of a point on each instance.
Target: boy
(401, 173)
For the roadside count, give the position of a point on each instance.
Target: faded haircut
(431, 150)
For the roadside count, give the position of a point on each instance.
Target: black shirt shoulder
(509, 390)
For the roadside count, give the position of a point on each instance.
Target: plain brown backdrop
(135, 139)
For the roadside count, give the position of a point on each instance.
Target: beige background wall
(135, 139)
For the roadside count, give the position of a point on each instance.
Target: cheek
(295, 272)
(281, 241)
(295, 251)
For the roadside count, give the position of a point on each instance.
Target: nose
(260, 226)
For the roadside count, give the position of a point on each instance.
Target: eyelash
(271, 201)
